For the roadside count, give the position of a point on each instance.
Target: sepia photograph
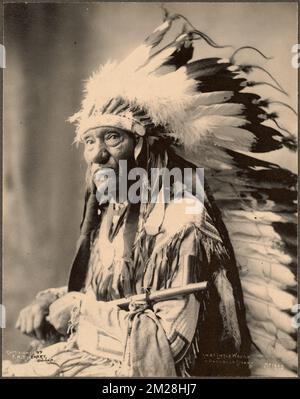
(149, 195)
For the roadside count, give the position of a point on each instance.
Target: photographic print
(150, 189)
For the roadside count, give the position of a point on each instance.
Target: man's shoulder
(184, 211)
(175, 215)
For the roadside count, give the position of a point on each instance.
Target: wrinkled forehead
(124, 122)
(101, 131)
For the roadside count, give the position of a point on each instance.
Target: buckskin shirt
(170, 247)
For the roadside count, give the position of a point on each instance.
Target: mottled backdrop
(51, 49)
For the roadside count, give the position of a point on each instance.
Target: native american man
(166, 109)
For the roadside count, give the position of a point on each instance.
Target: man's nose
(101, 157)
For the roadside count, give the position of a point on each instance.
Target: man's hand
(31, 320)
(60, 310)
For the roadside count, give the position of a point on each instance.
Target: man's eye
(113, 139)
(88, 141)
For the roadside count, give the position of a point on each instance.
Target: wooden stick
(157, 296)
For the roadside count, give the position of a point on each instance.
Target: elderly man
(132, 113)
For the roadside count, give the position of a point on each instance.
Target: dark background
(51, 49)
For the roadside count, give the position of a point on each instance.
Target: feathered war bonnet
(199, 105)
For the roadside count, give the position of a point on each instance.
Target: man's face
(103, 149)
